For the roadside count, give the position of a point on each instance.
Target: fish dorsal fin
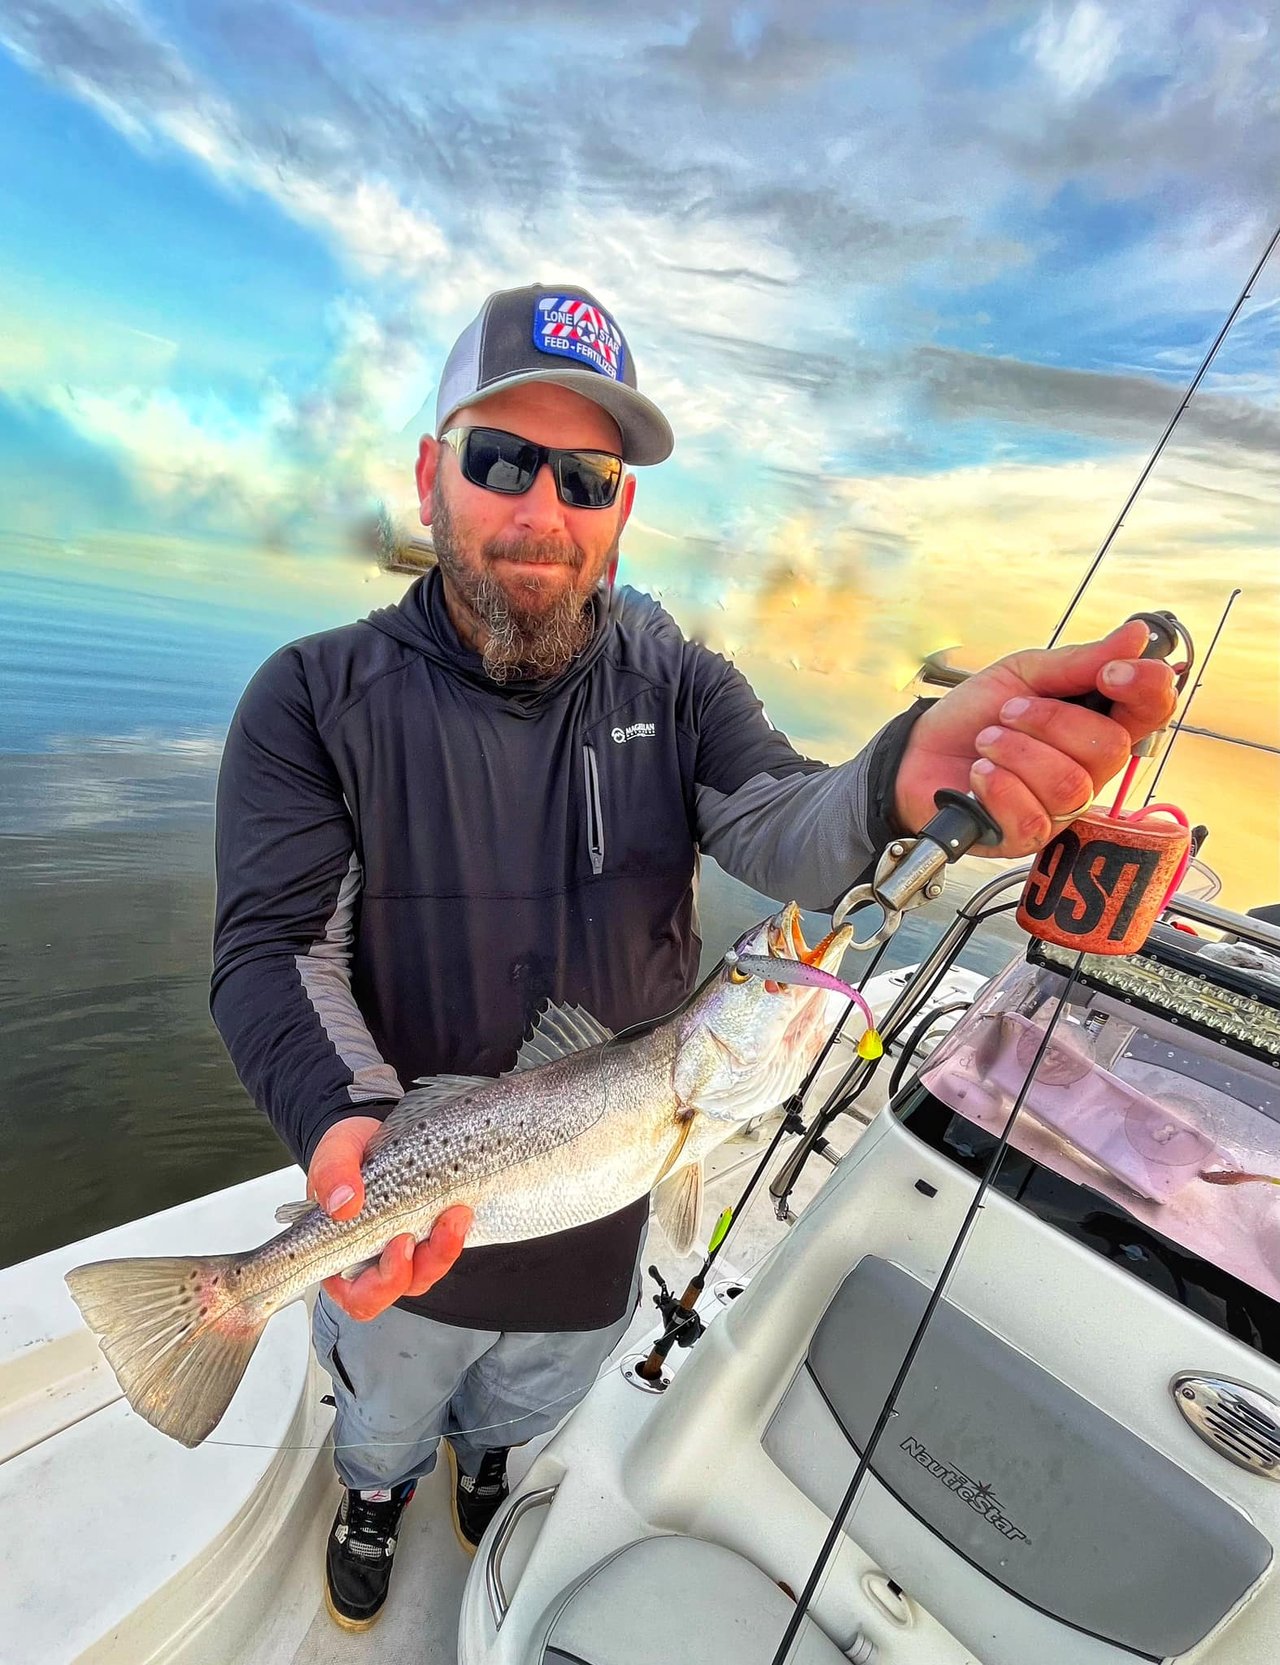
(288, 1213)
(423, 1100)
(677, 1202)
(559, 1032)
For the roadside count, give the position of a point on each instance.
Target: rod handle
(1162, 638)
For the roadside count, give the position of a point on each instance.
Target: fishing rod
(682, 1325)
(909, 871)
(836, 1529)
(1180, 724)
(1154, 458)
(921, 861)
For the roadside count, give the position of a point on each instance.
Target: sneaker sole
(342, 1620)
(469, 1549)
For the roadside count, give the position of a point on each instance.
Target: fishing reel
(683, 1326)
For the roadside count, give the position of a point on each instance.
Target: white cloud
(1077, 48)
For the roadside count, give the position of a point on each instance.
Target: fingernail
(1118, 673)
(989, 736)
(984, 766)
(339, 1198)
(1014, 708)
(409, 1246)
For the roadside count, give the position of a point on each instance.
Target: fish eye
(736, 976)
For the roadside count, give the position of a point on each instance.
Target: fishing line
(821, 1566)
(483, 1428)
(1164, 437)
(737, 1213)
(1195, 689)
(448, 1434)
(609, 1369)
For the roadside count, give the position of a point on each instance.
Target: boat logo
(977, 1494)
(636, 731)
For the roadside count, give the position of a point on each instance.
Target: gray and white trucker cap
(553, 333)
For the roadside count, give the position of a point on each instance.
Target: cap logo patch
(566, 327)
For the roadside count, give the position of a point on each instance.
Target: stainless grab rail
(499, 1606)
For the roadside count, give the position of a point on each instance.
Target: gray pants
(400, 1382)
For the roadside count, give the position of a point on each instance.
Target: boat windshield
(1159, 1088)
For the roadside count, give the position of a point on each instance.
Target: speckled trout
(583, 1124)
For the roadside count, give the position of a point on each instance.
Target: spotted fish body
(582, 1126)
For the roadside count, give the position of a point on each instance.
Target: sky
(918, 286)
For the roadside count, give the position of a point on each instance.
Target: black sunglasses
(499, 461)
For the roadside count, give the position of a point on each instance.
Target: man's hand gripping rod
(909, 872)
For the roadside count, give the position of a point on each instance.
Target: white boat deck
(135, 1551)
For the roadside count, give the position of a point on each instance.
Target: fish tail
(176, 1334)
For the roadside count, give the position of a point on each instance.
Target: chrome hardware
(1240, 1422)
(630, 1373)
(498, 1603)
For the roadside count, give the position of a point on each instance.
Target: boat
(688, 1518)
(1081, 1428)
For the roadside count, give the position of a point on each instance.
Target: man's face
(523, 567)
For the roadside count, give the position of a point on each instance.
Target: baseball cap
(553, 333)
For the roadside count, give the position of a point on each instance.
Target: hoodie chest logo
(634, 731)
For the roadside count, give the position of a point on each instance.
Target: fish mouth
(785, 938)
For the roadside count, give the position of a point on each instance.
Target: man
(494, 795)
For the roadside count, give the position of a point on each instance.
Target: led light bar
(1217, 1000)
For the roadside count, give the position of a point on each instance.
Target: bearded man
(495, 795)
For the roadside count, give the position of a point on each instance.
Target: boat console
(1080, 1466)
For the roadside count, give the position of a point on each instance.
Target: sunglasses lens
(588, 479)
(498, 461)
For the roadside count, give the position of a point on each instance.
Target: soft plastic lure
(813, 977)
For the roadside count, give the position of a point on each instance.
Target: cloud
(782, 213)
(1122, 408)
(1076, 47)
(743, 55)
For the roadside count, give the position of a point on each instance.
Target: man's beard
(533, 642)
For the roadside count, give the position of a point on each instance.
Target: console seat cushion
(1013, 1471)
(680, 1600)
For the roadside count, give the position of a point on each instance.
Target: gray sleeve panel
(802, 836)
(280, 992)
(1029, 1482)
(325, 970)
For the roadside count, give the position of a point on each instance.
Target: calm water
(119, 1097)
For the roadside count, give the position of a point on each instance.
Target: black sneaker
(358, 1560)
(478, 1497)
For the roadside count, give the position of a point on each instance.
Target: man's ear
(626, 498)
(425, 472)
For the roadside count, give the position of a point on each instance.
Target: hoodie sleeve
(787, 825)
(288, 888)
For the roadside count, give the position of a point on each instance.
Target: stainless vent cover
(1241, 1423)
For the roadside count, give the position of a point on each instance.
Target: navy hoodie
(413, 858)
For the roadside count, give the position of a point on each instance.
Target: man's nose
(539, 510)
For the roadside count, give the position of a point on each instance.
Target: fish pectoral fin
(289, 1214)
(677, 1202)
(559, 1032)
(422, 1102)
